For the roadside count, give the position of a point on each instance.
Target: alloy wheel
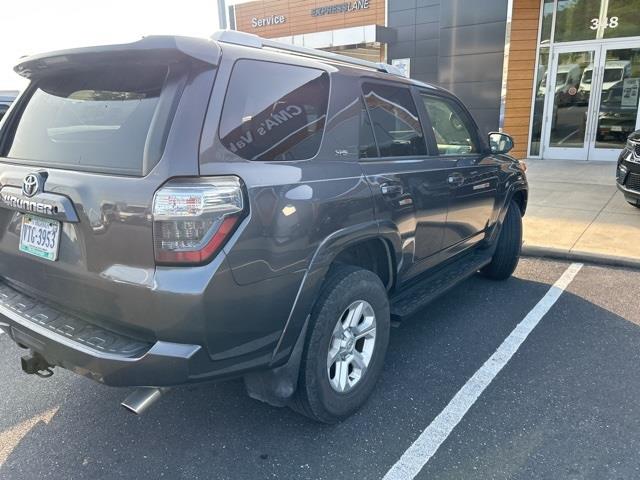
(351, 346)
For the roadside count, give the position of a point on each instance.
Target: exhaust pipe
(142, 398)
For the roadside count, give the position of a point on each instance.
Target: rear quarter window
(274, 112)
(93, 121)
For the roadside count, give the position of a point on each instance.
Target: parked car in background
(628, 173)
(6, 99)
(178, 210)
(615, 122)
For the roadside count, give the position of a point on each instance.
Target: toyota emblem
(31, 185)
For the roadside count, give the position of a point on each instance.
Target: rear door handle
(391, 189)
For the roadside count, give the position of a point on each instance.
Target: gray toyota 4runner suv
(179, 210)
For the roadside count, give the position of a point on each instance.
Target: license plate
(40, 237)
(616, 128)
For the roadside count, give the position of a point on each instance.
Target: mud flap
(277, 386)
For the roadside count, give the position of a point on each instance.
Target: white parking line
(426, 445)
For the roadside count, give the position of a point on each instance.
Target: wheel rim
(351, 346)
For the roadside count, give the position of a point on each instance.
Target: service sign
(268, 21)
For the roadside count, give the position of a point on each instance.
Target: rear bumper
(93, 352)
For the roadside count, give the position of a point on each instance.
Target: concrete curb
(578, 256)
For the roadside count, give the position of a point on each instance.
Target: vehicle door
(472, 173)
(408, 182)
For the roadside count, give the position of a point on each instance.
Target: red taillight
(192, 221)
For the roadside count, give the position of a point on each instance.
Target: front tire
(346, 346)
(507, 254)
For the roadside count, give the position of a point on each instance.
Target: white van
(567, 76)
(614, 72)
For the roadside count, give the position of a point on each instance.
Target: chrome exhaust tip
(142, 398)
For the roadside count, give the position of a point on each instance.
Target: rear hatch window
(97, 121)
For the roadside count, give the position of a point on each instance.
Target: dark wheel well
(520, 198)
(373, 255)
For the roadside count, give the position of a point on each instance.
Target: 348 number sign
(606, 22)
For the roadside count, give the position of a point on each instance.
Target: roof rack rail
(254, 41)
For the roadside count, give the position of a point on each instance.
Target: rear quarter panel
(294, 207)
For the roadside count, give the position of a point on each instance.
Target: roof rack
(254, 41)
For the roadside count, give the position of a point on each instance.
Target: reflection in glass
(574, 20)
(274, 112)
(547, 21)
(571, 100)
(395, 119)
(538, 106)
(618, 107)
(453, 136)
(623, 19)
(595, 19)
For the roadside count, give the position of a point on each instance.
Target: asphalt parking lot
(564, 406)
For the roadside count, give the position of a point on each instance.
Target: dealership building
(561, 76)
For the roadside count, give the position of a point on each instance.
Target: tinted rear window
(395, 119)
(274, 111)
(94, 121)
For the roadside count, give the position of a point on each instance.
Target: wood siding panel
(299, 19)
(521, 72)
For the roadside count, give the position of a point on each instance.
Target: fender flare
(277, 385)
(517, 186)
(318, 268)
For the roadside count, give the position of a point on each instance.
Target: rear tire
(334, 381)
(507, 254)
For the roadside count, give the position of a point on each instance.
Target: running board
(415, 297)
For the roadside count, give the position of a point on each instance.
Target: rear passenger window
(274, 111)
(450, 126)
(395, 120)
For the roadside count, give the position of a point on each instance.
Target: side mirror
(500, 143)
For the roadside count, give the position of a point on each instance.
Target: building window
(539, 91)
(547, 21)
(540, 80)
(596, 19)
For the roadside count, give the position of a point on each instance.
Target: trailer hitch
(35, 364)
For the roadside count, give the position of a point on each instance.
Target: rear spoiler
(150, 50)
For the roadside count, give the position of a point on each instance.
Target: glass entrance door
(570, 99)
(616, 107)
(592, 100)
